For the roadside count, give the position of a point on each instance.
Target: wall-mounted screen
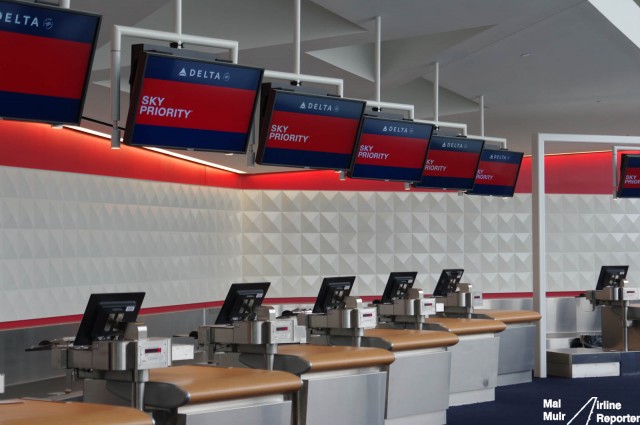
(47, 54)
(308, 131)
(186, 103)
(629, 183)
(497, 173)
(452, 163)
(391, 150)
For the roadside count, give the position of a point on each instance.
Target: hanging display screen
(185, 103)
(451, 163)
(629, 184)
(308, 131)
(497, 173)
(391, 150)
(47, 54)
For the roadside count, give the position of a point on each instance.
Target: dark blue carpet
(523, 404)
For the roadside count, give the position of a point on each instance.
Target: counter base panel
(347, 399)
(474, 369)
(418, 386)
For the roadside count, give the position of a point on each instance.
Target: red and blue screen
(629, 185)
(451, 163)
(192, 104)
(47, 54)
(307, 131)
(497, 173)
(391, 150)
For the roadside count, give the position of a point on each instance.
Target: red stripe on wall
(30, 145)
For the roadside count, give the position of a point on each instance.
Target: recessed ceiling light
(525, 55)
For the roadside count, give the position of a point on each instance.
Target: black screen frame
(234, 301)
(136, 91)
(448, 282)
(624, 164)
(93, 317)
(326, 300)
(393, 289)
(608, 272)
(478, 192)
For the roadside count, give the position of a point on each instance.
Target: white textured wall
(65, 235)
(292, 238)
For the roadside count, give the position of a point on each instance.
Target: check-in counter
(23, 412)
(418, 379)
(202, 394)
(474, 359)
(517, 344)
(341, 385)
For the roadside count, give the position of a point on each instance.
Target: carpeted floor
(563, 400)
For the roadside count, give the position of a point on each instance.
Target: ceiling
(543, 66)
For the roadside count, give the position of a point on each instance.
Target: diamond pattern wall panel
(370, 234)
(64, 236)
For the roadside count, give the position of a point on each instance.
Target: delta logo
(204, 74)
(318, 106)
(397, 129)
(25, 20)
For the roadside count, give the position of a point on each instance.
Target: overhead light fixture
(525, 55)
(196, 160)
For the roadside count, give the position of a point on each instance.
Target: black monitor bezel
(85, 335)
(269, 97)
(236, 292)
(624, 164)
(323, 304)
(607, 271)
(443, 288)
(135, 97)
(392, 288)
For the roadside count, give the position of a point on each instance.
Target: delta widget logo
(319, 106)
(594, 411)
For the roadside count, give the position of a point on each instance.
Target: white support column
(296, 36)
(482, 115)
(539, 251)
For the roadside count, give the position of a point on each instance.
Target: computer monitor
(332, 293)
(397, 286)
(448, 282)
(611, 276)
(107, 315)
(241, 301)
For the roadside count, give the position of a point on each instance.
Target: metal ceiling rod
(116, 47)
(296, 36)
(177, 26)
(65, 4)
(436, 93)
(482, 115)
(378, 57)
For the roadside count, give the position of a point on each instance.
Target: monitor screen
(629, 183)
(611, 276)
(241, 301)
(308, 131)
(497, 173)
(452, 163)
(390, 150)
(333, 292)
(188, 103)
(107, 315)
(397, 286)
(448, 282)
(47, 55)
